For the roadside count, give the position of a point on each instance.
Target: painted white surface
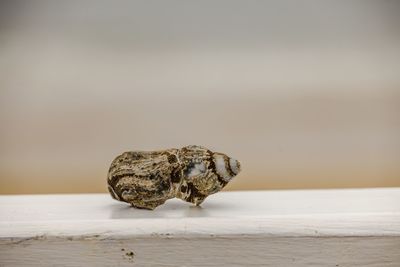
(352, 227)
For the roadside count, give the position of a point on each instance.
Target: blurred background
(306, 94)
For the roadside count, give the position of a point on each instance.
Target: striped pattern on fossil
(148, 179)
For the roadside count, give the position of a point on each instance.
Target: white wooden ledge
(258, 228)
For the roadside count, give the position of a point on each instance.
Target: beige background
(305, 94)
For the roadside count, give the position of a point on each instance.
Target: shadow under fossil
(171, 209)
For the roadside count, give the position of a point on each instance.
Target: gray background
(304, 93)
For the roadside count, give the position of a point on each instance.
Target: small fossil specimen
(148, 179)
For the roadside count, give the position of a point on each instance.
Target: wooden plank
(351, 227)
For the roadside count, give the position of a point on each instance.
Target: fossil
(146, 179)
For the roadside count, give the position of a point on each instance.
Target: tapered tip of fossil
(226, 167)
(235, 166)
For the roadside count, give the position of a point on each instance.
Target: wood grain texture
(261, 228)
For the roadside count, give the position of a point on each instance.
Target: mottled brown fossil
(148, 179)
